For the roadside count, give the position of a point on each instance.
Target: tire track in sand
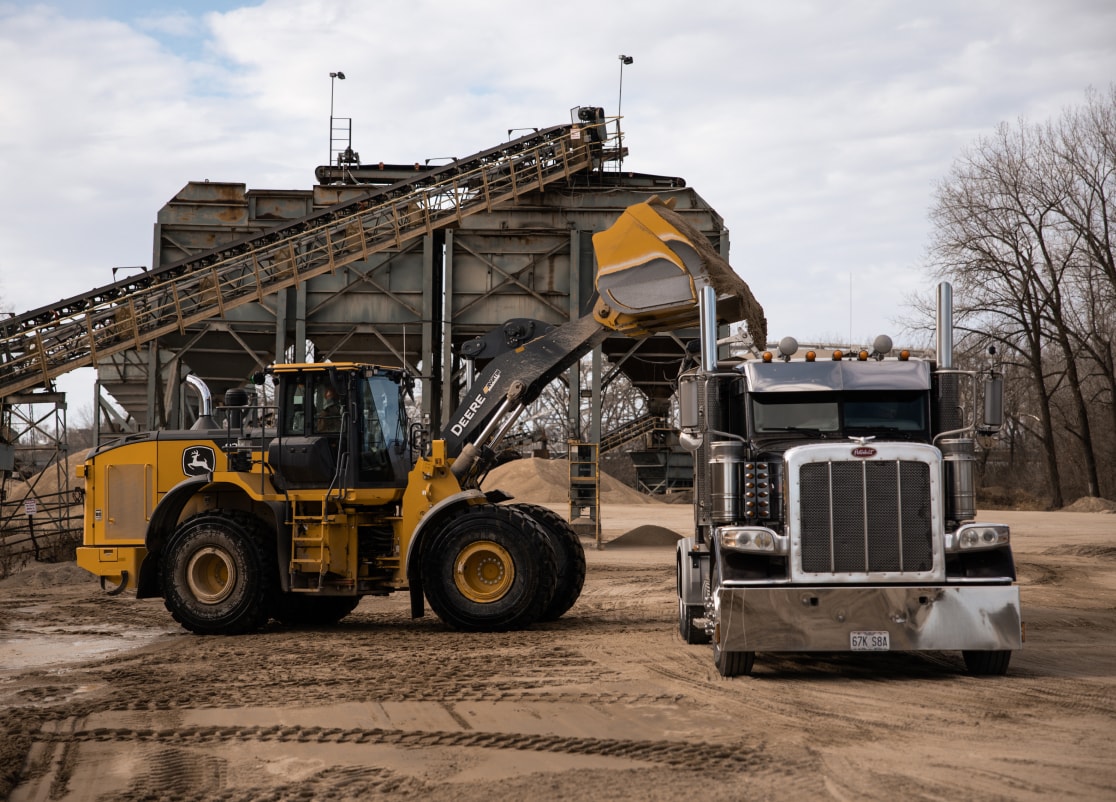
(698, 756)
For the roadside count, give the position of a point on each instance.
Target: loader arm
(515, 378)
(651, 266)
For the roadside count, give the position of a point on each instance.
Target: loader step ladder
(310, 547)
(39, 345)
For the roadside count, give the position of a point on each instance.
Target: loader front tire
(215, 576)
(490, 569)
(569, 555)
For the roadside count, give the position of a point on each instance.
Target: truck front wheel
(490, 569)
(688, 612)
(991, 663)
(690, 632)
(214, 576)
(732, 664)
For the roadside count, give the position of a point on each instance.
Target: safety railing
(47, 532)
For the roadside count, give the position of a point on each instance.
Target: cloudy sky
(817, 129)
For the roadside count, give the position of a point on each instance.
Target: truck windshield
(853, 412)
(783, 412)
(897, 411)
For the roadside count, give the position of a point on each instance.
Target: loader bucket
(651, 264)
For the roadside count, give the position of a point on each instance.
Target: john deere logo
(864, 451)
(198, 460)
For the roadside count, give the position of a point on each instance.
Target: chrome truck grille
(866, 518)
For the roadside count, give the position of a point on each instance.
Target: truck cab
(834, 510)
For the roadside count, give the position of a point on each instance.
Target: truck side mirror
(993, 403)
(689, 413)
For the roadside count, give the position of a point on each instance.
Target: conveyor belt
(76, 332)
(629, 431)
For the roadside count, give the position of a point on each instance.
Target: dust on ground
(608, 703)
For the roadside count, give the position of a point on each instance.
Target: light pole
(619, 100)
(333, 76)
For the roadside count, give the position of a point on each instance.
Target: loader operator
(329, 412)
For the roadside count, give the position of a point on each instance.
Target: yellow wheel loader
(296, 511)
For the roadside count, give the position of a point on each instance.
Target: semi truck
(834, 505)
(297, 508)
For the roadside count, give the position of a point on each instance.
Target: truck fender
(429, 523)
(693, 570)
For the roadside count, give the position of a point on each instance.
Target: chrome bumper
(821, 619)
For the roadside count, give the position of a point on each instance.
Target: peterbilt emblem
(198, 460)
(864, 451)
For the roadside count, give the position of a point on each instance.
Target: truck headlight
(753, 539)
(972, 537)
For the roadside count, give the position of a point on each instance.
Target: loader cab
(340, 425)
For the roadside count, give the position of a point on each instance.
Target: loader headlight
(972, 537)
(753, 539)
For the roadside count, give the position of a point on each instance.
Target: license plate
(870, 641)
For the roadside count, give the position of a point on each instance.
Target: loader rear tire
(488, 570)
(309, 610)
(215, 576)
(569, 555)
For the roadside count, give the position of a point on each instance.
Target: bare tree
(1024, 227)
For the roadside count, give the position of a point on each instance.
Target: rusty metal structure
(394, 264)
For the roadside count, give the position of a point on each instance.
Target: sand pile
(645, 536)
(1091, 504)
(47, 481)
(548, 481)
(48, 575)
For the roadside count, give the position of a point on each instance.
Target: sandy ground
(104, 698)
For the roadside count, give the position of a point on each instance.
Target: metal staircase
(39, 345)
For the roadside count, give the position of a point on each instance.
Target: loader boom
(651, 266)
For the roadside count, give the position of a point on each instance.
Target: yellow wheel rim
(483, 571)
(211, 575)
